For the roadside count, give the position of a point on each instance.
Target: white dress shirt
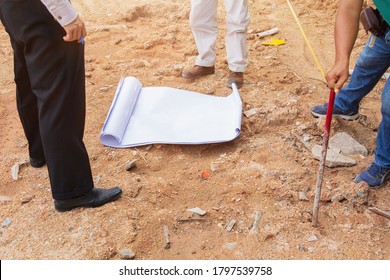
(62, 10)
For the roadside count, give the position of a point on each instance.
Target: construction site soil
(267, 176)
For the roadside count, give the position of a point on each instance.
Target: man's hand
(337, 76)
(75, 31)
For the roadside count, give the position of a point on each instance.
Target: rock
(197, 210)
(302, 196)
(210, 91)
(127, 254)
(256, 222)
(15, 171)
(178, 67)
(306, 138)
(231, 225)
(338, 197)
(26, 199)
(104, 88)
(6, 222)
(347, 145)
(214, 166)
(333, 157)
(167, 244)
(361, 194)
(97, 178)
(4, 198)
(230, 246)
(251, 112)
(312, 238)
(130, 164)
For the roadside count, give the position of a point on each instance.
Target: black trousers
(50, 90)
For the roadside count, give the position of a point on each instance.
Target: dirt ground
(262, 171)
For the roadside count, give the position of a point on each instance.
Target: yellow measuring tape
(307, 41)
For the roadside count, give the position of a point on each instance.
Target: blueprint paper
(149, 115)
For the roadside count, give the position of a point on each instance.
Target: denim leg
(370, 66)
(382, 153)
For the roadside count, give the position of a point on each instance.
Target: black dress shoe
(94, 198)
(34, 162)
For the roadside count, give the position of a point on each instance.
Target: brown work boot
(197, 71)
(236, 78)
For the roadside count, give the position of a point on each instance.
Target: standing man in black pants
(47, 37)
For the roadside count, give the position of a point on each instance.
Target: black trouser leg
(56, 74)
(26, 103)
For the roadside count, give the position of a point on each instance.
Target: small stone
(214, 166)
(256, 222)
(302, 196)
(231, 225)
(178, 67)
(97, 178)
(251, 112)
(15, 171)
(127, 254)
(130, 164)
(6, 222)
(338, 198)
(104, 89)
(361, 194)
(4, 198)
(197, 210)
(311, 249)
(210, 91)
(306, 138)
(230, 246)
(312, 238)
(26, 199)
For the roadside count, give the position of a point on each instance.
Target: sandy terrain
(262, 171)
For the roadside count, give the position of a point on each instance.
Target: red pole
(325, 141)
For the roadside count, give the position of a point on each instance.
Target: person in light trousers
(203, 21)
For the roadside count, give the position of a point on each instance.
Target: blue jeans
(372, 63)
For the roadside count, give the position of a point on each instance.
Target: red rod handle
(329, 111)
